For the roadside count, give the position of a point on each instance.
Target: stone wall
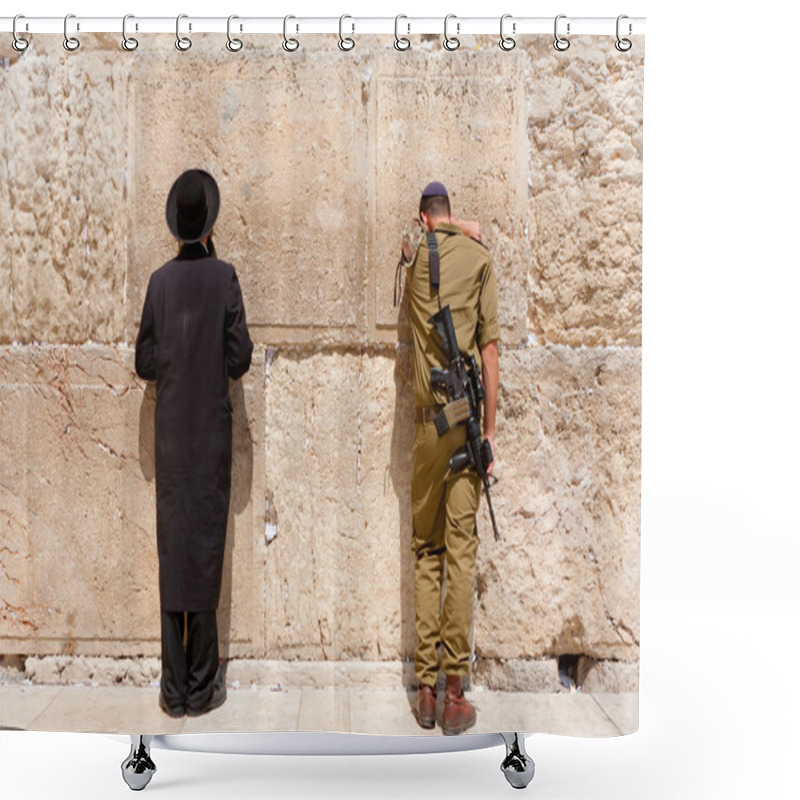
(320, 157)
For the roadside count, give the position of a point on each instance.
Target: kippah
(435, 189)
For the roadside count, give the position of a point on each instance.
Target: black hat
(192, 206)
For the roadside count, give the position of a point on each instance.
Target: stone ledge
(509, 675)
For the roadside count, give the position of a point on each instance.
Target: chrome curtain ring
(289, 45)
(345, 43)
(128, 42)
(507, 42)
(183, 43)
(623, 45)
(450, 42)
(70, 42)
(20, 44)
(400, 42)
(560, 43)
(234, 45)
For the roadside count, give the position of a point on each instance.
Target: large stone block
(568, 507)
(340, 570)
(387, 433)
(77, 507)
(75, 500)
(339, 459)
(63, 196)
(458, 118)
(585, 129)
(286, 138)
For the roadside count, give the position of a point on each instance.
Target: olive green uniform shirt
(467, 285)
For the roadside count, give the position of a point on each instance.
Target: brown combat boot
(458, 711)
(425, 706)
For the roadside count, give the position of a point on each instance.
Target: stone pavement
(128, 710)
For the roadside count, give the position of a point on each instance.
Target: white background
(720, 610)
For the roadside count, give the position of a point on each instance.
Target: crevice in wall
(270, 516)
(358, 434)
(573, 669)
(618, 626)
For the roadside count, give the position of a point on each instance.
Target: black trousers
(187, 676)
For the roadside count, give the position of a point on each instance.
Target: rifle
(465, 393)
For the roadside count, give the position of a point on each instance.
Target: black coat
(193, 337)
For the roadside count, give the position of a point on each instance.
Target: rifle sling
(433, 259)
(433, 256)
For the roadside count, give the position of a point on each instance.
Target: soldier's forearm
(490, 372)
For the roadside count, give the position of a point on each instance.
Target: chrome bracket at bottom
(517, 766)
(138, 768)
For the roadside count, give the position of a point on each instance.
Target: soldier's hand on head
(470, 227)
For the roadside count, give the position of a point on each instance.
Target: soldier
(444, 504)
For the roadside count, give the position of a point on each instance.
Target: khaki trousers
(443, 508)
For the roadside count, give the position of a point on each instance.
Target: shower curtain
(321, 155)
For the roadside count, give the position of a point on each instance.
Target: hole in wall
(573, 669)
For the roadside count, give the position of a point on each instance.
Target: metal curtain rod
(513, 26)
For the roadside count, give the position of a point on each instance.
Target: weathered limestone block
(63, 196)
(332, 569)
(285, 136)
(77, 506)
(458, 118)
(517, 675)
(387, 433)
(340, 570)
(585, 128)
(564, 579)
(611, 676)
(76, 495)
(94, 671)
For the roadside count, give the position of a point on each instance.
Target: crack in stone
(16, 615)
(108, 449)
(6, 574)
(616, 624)
(316, 604)
(57, 383)
(7, 549)
(270, 513)
(360, 406)
(110, 386)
